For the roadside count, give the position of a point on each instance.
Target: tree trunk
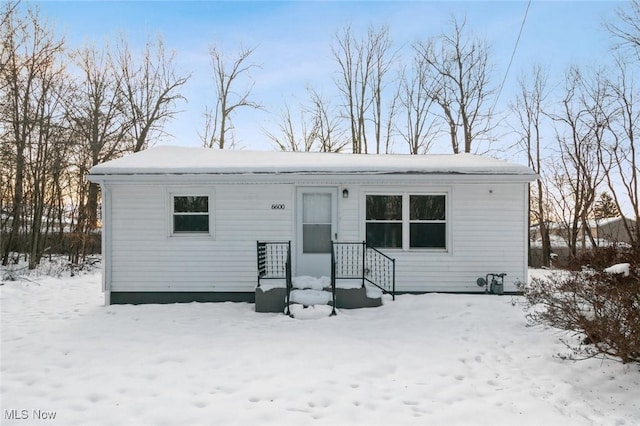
(544, 231)
(16, 214)
(35, 243)
(91, 217)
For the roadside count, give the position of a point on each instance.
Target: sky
(293, 43)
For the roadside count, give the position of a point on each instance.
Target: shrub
(602, 308)
(601, 257)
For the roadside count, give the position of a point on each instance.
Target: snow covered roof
(607, 221)
(185, 160)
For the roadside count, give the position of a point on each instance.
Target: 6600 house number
(277, 206)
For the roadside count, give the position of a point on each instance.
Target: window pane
(186, 204)
(316, 238)
(191, 223)
(430, 235)
(427, 207)
(385, 235)
(384, 207)
(316, 208)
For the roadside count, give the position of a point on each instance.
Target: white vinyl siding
(145, 257)
(349, 215)
(486, 233)
(487, 236)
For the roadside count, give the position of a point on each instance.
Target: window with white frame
(409, 221)
(190, 214)
(384, 221)
(427, 221)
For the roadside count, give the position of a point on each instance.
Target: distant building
(605, 232)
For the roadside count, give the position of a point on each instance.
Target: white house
(181, 224)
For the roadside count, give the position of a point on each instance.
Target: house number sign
(277, 206)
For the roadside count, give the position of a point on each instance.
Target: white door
(316, 226)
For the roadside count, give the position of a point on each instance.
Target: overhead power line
(513, 54)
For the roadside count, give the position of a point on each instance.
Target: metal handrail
(288, 280)
(274, 262)
(272, 259)
(333, 280)
(381, 276)
(361, 261)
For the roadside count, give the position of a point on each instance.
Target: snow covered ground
(421, 360)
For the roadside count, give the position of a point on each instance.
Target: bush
(602, 308)
(601, 257)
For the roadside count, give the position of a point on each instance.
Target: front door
(316, 226)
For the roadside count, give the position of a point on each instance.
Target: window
(427, 221)
(409, 221)
(384, 221)
(190, 214)
(316, 223)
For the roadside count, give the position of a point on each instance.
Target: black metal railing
(380, 270)
(333, 279)
(357, 260)
(289, 281)
(272, 259)
(274, 263)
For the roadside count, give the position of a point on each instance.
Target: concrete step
(273, 299)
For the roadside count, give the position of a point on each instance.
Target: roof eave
(137, 175)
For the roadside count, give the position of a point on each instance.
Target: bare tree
(7, 14)
(11, 151)
(350, 76)
(226, 76)
(329, 134)
(363, 65)
(459, 63)
(619, 156)
(580, 130)
(13, 104)
(30, 53)
(295, 135)
(101, 125)
(626, 28)
(421, 126)
(383, 58)
(318, 128)
(48, 152)
(150, 89)
(528, 109)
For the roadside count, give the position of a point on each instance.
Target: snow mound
(373, 292)
(310, 312)
(619, 268)
(305, 281)
(310, 297)
(349, 283)
(270, 284)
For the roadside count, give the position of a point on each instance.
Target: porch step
(310, 304)
(310, 312)
(313, 283)
(310, 297)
